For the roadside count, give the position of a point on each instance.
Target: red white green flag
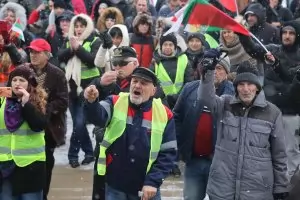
(17, 29)
(205, 17)
(210, 18)
(229, 5)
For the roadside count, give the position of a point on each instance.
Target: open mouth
(136, 93)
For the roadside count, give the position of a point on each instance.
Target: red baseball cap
(40, 45)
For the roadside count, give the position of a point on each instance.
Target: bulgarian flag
(206, 17)
(229, 5)
(17, 29)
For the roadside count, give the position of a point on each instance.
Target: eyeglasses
(121, 63)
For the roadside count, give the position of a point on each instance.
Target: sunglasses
(121, 63)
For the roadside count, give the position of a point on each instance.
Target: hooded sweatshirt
(103, 55)
(265, 32)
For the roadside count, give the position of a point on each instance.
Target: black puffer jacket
(57, 40)
(279, 80)
(265, 32)
(279, 14)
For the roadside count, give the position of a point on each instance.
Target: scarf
(236, 51)
(13, 114)
(73, 70)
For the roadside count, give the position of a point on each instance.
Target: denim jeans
(80, 138)
(6, 193)
(195, 178)
(113, 194)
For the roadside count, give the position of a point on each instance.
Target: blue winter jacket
(187, 112)
(129, 154)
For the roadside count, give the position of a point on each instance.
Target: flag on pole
(210, 18)
(178, 13)
(206, 17)
(17, 29)
(229, 5)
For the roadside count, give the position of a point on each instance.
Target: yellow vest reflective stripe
(165, 82)
(24, 146)
(117, 127)
(86, 72)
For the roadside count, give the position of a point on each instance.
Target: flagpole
(261, 44)
(237, 8)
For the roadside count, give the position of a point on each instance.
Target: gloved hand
(280, 196)
(107, 41)
(211, 59)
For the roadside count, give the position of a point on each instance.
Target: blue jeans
(80, 138)
(113, 194)
(6, 193)
(195, 178)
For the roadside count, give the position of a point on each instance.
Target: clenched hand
(148, 192)
(91, 93)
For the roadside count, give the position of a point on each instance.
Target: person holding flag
(250, 159)
(15, 15)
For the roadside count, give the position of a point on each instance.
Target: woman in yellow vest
(79, 54)
(22, 144)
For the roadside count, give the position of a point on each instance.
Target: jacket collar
(260, 100)
(144, 106)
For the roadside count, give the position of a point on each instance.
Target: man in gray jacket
(250, 160)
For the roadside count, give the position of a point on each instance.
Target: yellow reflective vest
(166, 83)
(117, 126)
(86, 72)
(24, 146)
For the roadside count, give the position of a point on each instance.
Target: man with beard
(124, 61)
(280, 80)
(255, 16)
(139, 142)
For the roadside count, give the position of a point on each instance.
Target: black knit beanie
(25, 72)
(248, 73)
(170, 37)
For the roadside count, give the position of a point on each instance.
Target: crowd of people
(223, 103)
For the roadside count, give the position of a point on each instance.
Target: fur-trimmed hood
(141, 19)
(109, 11)
(89, 28)
(19, 10)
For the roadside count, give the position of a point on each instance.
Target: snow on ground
(171, 189)
(61, 153)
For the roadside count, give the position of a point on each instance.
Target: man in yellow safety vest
(139, 145)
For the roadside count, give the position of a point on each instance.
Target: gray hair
(48, 54)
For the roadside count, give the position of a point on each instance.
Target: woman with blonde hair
(22, 143)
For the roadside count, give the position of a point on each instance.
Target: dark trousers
(196, 178)
(98, 181)
(49, 167)
(80, 138)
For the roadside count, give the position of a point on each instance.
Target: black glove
(107, 41)
(211, 59)
(281, 196)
